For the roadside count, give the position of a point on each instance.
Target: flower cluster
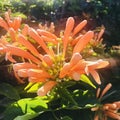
(47, 58)
(103, 111)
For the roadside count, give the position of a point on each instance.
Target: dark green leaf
(66, 118)
(9, 91)
(27, 116)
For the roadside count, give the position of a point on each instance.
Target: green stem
(66, 94)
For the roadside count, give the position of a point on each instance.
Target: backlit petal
(95, 76)
(83, 42)
(46, 88)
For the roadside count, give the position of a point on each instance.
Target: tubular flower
(107, 110)
(52, 59)
(14, 35)
(9, 23)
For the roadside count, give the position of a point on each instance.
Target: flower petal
(79, 27)
(38, 73)
(74, 41)
(47, 34)
(75, 59)
(25, 30)
(68, 29)
(64, 70)
(39, 40)
(95, 76)
(108, 86)
(25, 65)
(76, 76)
(26, 43)
(34, 79)
(22, 53)
(12, 34)
(17, 23)
(83, 41)
(47, 60)
(3, 24)
(47, 39)
(46, 88)
(23, 73)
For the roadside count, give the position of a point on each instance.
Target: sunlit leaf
(25, 108)
(85, 79)
(32, 88)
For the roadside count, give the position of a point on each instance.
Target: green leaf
(9, 91)
(32, 87)
(27, 116)
(25, 108)
(66, 95)
(29, 104)
(85, 79)
(66, 118)
(84, 98)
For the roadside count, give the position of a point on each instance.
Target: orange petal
(10, 22)
(25, 65)
(52, 27)
(47, 39)
(28, 45)
(64, 70)
(100, 34)
(102, 64)
(22, 53)
(25, 30)
(95, 76)
(47, 34)
(9, 57)
(79, 66)
(75, 59)
(23, 73)
(118, 104)
(12, 34)
(111, 106)
(46, 88)
(7, 16)
(3, 41)
(68, 29)
(98, 92)
(18, 78)
(76, 76)
(79, 27)
(108, 86)
(38, 73)
(97, 64)
(112, 115)
(17, 23)
(39, 40)
(74, 42)
(47, 60)
(34, 79)
(83, 42)
(3, 24)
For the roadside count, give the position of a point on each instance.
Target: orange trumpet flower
(106, 110)
(51, 59)
(9, 23)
